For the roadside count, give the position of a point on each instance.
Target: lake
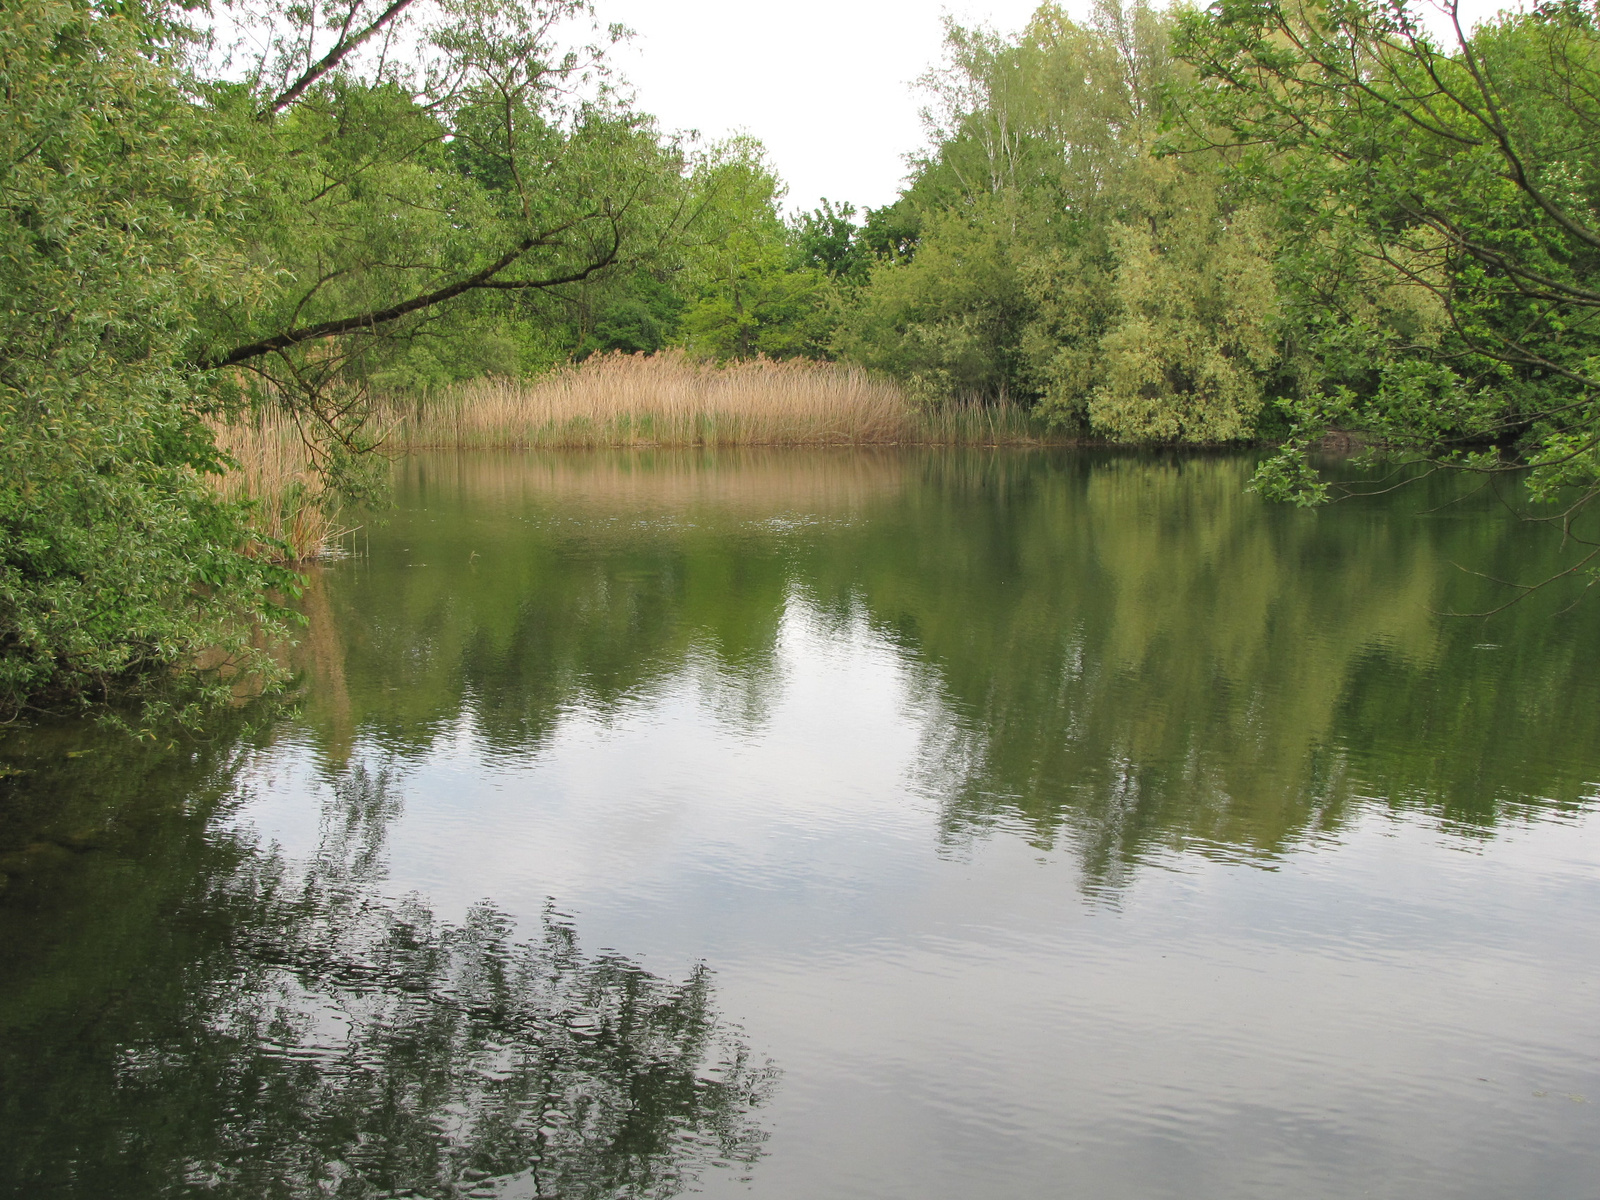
(849, 823)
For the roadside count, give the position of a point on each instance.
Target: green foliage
(116, 561)
(948, 319)
(1181, 228)
(1191, 342)
(303, 230)
(416, 227)
(1043, 250)
(754, 297)
(825, 239)
(1438, 254)
(890, 233)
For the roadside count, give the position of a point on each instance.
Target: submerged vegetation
(240, 256)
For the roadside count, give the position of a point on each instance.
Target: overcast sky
(825, 84)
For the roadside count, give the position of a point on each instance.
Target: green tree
(949, 319)
(1440, 259)
(826, 239)
(1055, 257)
(1191, 342)
(754, 298)
(394, 198)
(185, 234)
(116, 561)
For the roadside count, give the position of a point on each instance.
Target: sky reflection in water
(1007, 825)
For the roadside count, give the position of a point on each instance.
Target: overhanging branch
(484, 279)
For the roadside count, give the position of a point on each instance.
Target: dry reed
(276, 472)
(616, 400)
(670, 399)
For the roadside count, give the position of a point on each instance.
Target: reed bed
(670, 399)
(276, 472)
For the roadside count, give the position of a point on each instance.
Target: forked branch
(347, 42)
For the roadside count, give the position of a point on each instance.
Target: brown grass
(665, 400)
(275, 471)
(669, 399)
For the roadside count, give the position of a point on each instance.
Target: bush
(117, 563)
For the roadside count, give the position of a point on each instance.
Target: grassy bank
(616, 400)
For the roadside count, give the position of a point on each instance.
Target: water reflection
(185, 1010)
(1164, 661)
(859, 732)
(1124, 652)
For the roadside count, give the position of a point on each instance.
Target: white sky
(825, 84)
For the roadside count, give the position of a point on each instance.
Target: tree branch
(330, 60)
(479, 280)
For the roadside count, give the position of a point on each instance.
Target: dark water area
(840, 824)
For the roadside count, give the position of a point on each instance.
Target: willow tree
(1440, 253)
(116, 560)
(186, 230)
(1190, 345)
(392, 193)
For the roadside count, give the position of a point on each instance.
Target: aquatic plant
(673, 399)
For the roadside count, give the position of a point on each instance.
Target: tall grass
(275, 471)
(669, 399)
(665, 400)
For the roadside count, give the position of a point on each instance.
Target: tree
(1442, 263)
(389, 194)
(181, 240)
(1191, 339)
(753, 296)
(116, 560)
(947, 320)
(1054, 258)
(825, 239)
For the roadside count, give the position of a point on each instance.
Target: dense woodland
(1248, 223)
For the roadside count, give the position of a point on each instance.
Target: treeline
(1046, 248)
(1256, 221)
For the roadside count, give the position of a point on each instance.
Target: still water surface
(847, 824)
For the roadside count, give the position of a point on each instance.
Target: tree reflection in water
(1119, 654)
(288, 1032)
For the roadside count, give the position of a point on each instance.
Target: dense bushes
(116, 561)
